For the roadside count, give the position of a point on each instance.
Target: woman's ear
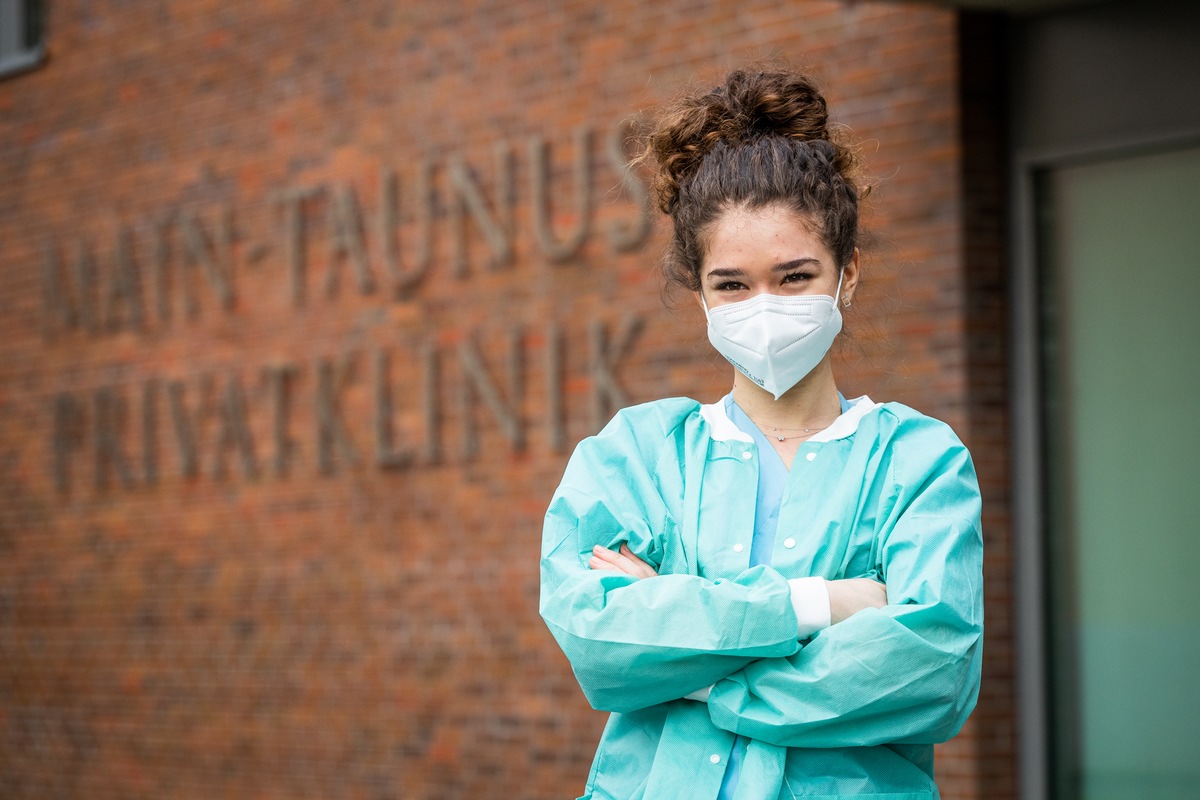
(849, 280)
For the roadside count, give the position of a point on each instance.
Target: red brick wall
(225, 570)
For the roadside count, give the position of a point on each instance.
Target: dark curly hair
(757, 139)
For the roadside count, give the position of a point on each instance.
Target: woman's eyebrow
(724, 272)
(734, 272)
(796, 262)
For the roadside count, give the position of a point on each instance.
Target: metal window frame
(1033, 729)
(23, 57)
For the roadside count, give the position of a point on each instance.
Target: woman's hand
(851, 595)
(846, 597)
(622, 561)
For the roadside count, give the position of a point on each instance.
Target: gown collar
(724, 429)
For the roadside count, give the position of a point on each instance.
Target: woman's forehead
(762, 236)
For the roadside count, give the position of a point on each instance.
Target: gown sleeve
(636, 643)
(908, 672)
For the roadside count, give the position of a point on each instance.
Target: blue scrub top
(772, 483)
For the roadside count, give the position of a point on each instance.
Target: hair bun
(748, 105)
(762, 104)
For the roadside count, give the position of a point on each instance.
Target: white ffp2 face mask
(775, 340)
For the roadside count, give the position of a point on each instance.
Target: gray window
(21, 41)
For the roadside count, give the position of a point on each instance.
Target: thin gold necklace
(778, 433)
(775, 431)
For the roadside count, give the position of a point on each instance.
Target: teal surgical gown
(853, 711)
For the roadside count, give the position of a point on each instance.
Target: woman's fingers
(623, 560)
(642, 569)
(596, 562)
(603, 558)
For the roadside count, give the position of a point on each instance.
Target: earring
(846, 301)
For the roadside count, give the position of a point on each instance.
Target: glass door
(1120, 273)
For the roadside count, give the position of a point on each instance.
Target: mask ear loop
(845, 300)
(707, 315)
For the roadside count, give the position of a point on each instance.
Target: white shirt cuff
(810, 599)
(700, 695)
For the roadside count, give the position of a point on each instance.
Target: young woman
(779, 594)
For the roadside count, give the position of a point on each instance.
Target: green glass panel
(1123, 430)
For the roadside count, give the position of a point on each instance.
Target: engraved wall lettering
(607, 394)
(124, 301)
(234, 431)
(556, 433)
(479, 383)
(160, 253)
(187, 424)
(295, 241)
(213, 254)
(430, 407)
(191, 259)
(108, 428)
(495, 223)
(279, 387)
(406, 279)
(625, 235)
(332, 377)
(150, 431)
(84, 268)
(387, 454)
(556, 250)
(346, 243)
(68, 435)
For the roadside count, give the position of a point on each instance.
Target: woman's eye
(796, 277)
(729, 286)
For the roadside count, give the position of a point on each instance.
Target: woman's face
(771, 250)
